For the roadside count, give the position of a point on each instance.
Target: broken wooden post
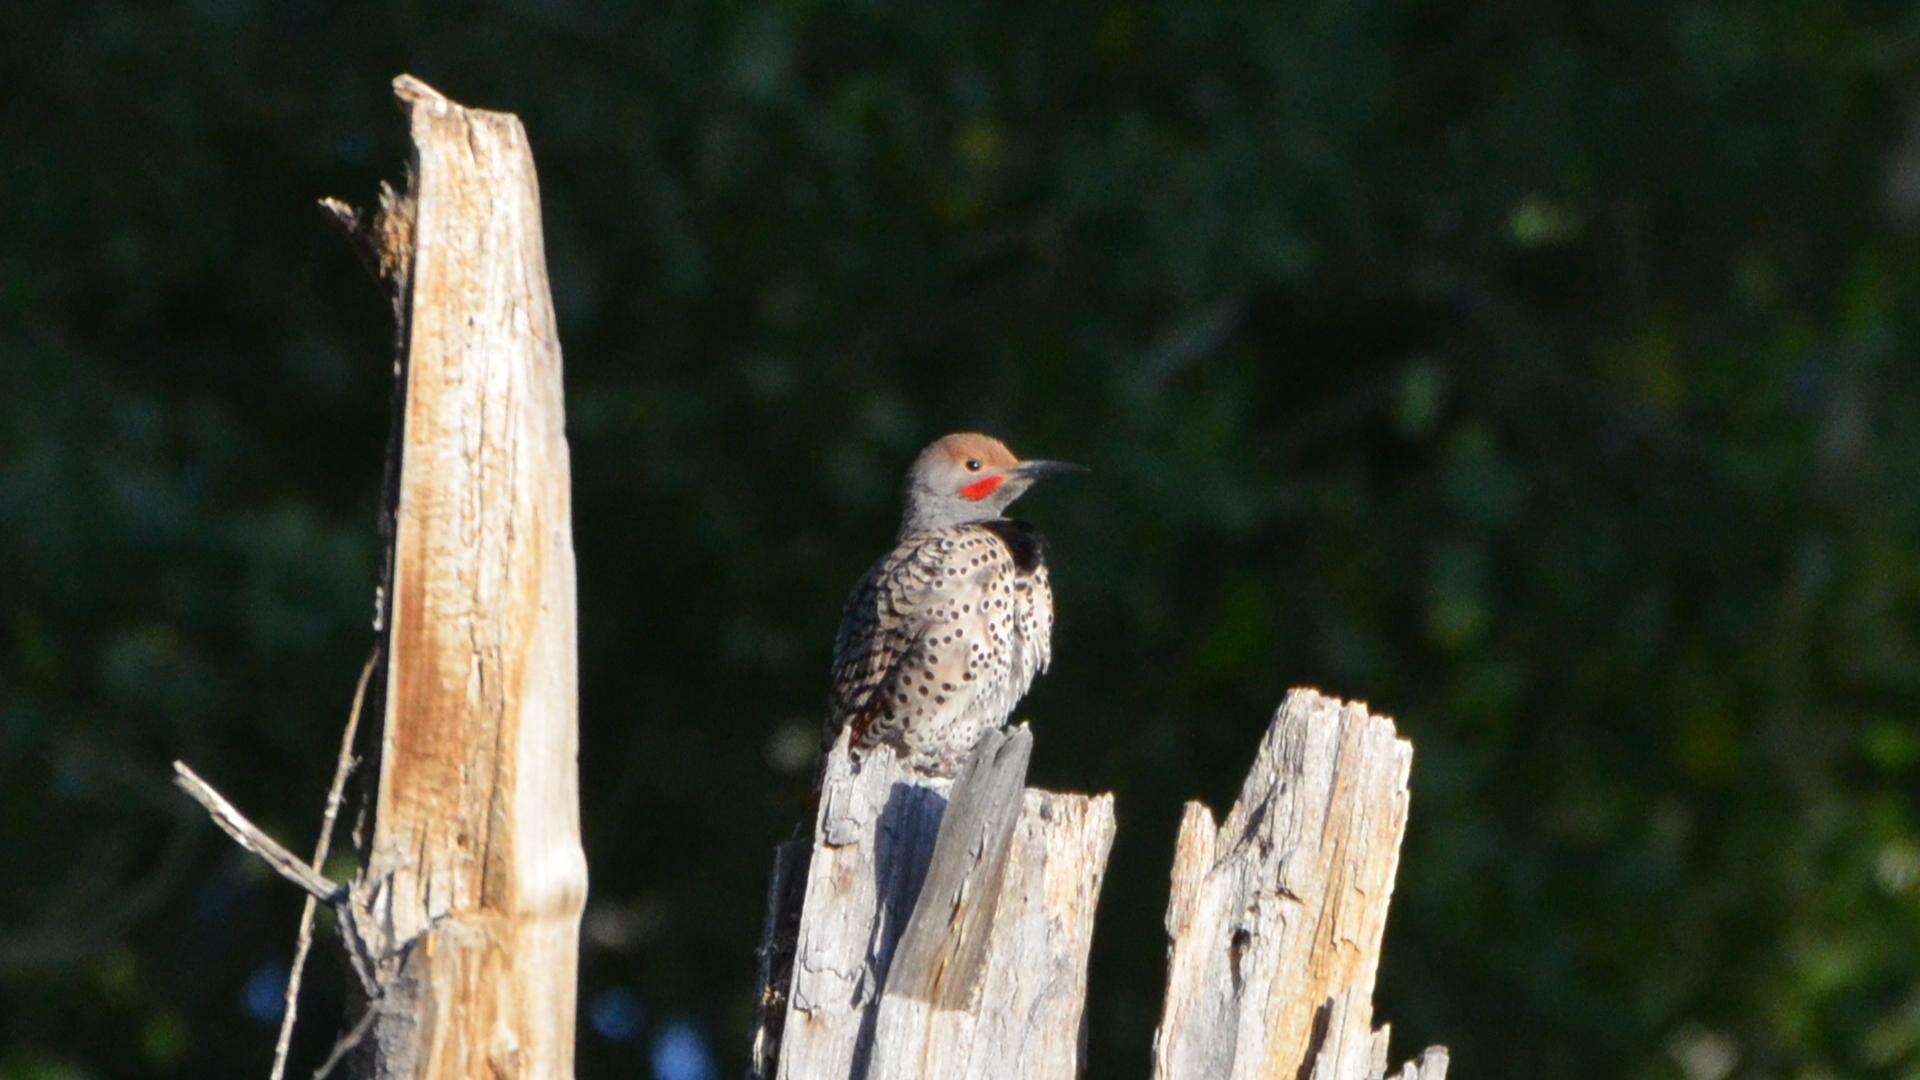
(1276, 915)
(921, 937)
(476, 876)
(463, 923)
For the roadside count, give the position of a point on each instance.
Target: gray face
(967, 478)
(943, 495)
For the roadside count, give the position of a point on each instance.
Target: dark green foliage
(1543, 377)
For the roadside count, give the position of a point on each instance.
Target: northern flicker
(944, 634)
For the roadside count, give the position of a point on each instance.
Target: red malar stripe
(980, 489)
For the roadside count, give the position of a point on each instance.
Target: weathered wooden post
(463, 923)
(1276, 916)
(933, 929)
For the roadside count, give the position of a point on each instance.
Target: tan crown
(971, 446)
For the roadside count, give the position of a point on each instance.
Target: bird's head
(967, 477)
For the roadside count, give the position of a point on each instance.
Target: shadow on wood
(944, 946)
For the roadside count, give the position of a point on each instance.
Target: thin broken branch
(343, 765)
(248, 835)
(346, 1043)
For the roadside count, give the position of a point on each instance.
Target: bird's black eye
(973, 464)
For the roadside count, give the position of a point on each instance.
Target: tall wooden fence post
(476, 877)
(1276, 916)
(463, 924)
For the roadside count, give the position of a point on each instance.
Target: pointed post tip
(412, 91)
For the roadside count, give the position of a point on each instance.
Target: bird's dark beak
(1040, 470)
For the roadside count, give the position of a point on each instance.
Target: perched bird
(944, 634)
